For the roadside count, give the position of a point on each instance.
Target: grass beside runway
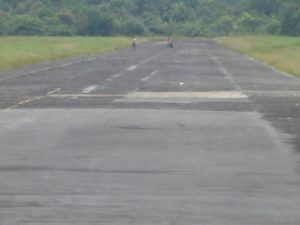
(278, 51)
(20, 51)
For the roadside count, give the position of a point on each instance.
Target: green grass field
(280, 52)
(20, 51)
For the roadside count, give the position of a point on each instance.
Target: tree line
(145, 17)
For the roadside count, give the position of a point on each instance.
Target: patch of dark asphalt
(108, 102)
(283, 113)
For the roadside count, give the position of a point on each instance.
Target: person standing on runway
(133, 42)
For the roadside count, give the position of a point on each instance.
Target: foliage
(142, 17)
(18, 51)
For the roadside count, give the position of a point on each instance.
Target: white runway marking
(145, 79)
(52, 92)
(91, 59)
(21, 103)
(44, 69)
(132, 68)
(66, 65)
(34, 71)
(89, 89)
(154, 73)
(181, 83)
(25, 102)
(69, 64)
(150, 58)
(116, 75)
(150, 76)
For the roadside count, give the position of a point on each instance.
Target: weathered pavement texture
(195, 135)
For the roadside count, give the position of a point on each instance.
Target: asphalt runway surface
(195, 135)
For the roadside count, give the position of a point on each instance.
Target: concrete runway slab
(195, 135)
(144, 167)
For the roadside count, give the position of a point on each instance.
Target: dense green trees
(142, 17)
(290, 18)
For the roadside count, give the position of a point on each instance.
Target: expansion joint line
(223, 70)
(27, 101)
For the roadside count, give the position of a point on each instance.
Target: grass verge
(20, 51)
(280, 52)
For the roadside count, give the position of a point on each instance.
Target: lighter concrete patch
(212, 94)
(182, 97)
(274, 93)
